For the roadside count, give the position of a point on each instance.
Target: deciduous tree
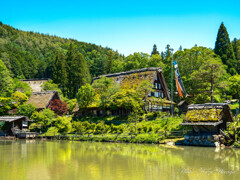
(207, 79)
(6, 83)
(85, 96)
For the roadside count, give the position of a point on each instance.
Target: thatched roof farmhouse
(131, 79)
(209, 117)
(158, 99)
(36, 84)
(42, 99)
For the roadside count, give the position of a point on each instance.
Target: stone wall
(203, 140)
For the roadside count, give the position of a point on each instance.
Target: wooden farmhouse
(157, 100)
(15, 122)
(208, 118)
(36, 84)
(41, 100)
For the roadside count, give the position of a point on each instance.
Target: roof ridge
(39, 79)
(129, 72)
(41, 92)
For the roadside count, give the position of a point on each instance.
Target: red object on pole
(178, 87)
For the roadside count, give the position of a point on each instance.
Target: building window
(149, 94)
(156, 94)
(24, 124)
(156, 85)
(156, 78)
(162, 95)
(159, 86)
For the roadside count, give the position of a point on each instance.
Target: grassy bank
(147, 128)
(154, 138)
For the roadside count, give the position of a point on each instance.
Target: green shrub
(52, 131)
(26, 110)
(63, 124)
(78, 127)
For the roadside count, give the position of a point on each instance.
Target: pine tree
(167, 55)
(180, 48)
(154, 51)
(224, 49)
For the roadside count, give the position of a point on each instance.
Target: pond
(67, 160)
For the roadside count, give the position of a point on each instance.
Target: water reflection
(63, 160)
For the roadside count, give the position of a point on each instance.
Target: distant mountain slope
(31, 55)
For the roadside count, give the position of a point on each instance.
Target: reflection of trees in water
(84, 160)
(218, 163)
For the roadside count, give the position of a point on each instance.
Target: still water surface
(66, 160)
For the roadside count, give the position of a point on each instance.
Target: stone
(186, 137)
(217, 144)
(170, 143)
(210, 138)
(216, 138)
(197, 137)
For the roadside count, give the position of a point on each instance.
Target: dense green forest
(32, 55)
(71, 63)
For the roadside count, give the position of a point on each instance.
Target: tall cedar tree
(110, 62)
(60, 72)
(78, 71)
(82, 71)
(154, 51)
(167, 61)
(224, 49)
(70, 71)
(236, 49)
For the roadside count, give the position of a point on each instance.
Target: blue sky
(127, 26)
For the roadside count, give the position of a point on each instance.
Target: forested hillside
(32, 55)
(71, 64)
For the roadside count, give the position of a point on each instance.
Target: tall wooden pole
(172, 84)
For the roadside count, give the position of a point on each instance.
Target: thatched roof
(39, 79)
(210, 112)
(36, 84)
(13, 118)
(131, 79)
(42, 99)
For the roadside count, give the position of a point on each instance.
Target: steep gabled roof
(131, 79)
(42, 99)
(36, 84)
